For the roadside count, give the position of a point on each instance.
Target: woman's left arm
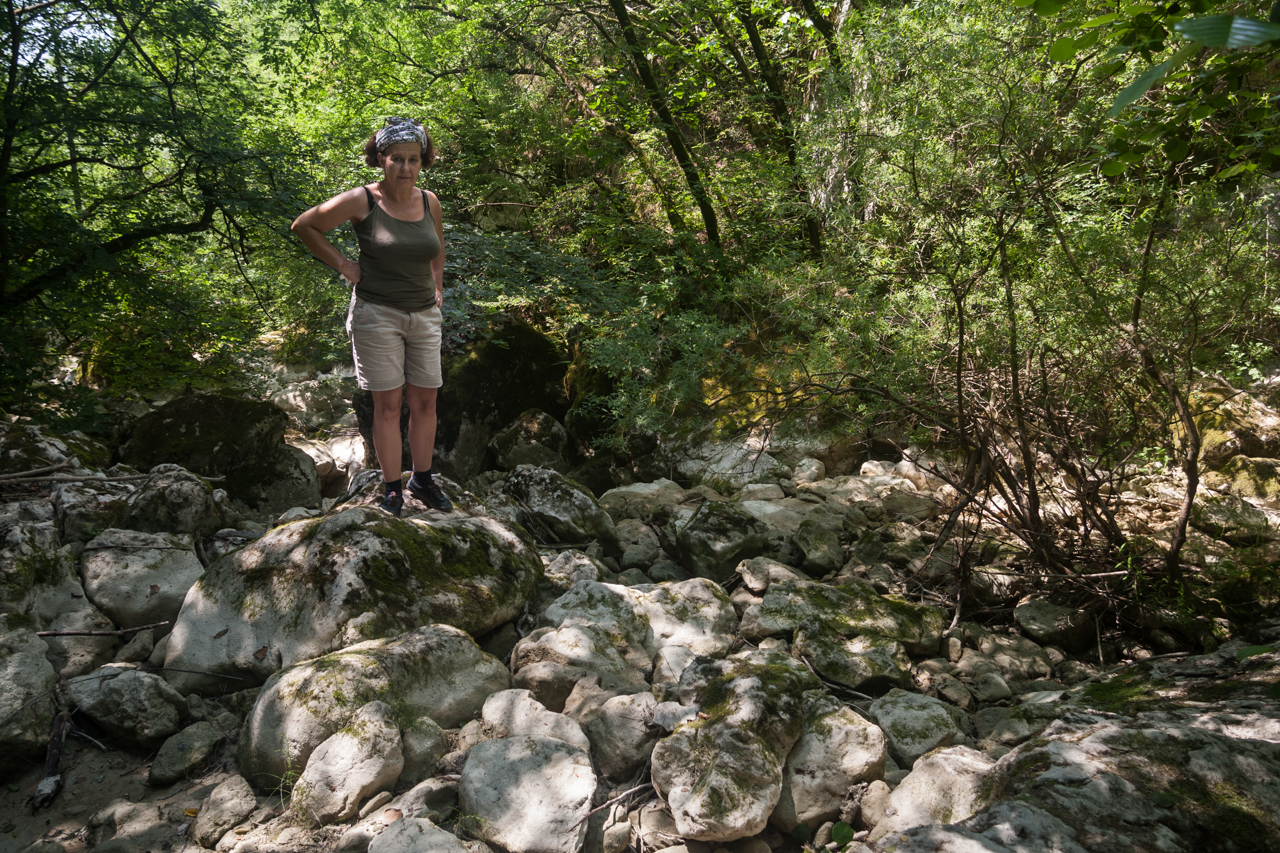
(437, 265)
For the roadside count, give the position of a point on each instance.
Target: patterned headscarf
(396, 129)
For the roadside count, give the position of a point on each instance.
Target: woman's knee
(386, 404)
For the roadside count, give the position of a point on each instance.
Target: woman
(394, 319)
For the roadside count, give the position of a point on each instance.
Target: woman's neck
(396, 194)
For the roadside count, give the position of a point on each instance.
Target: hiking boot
(430, 494)
(392, 502)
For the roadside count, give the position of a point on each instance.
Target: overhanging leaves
(1228, 31)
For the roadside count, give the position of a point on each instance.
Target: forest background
(1025, 230)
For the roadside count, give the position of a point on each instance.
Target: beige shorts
(392, 347)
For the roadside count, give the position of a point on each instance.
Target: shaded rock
(527, 792)
(569, 567)
(434, 671)
(808, 470)
(489, 383)
(839, 749)
(641, 547)
(1012, 726)
(25, 675)
(1231, 519)
(820, 547)
(617, 726)
(914, 724)
(558, 506)
(535, 438)
(946, 787)
(512, 713)
(726, 466)
(184, 754)
(230, 803)
(311, 586)
(868, 664)
(1051, 624)
(24, 447)
(1005, 828)
(1255, 479)
(241, 440)
(422, 742)
(1153, 783)
(1018, 658)
(136, 708)
(416, 835)
(127, 827)
(173, 500)
(139, 578)
(716, 538)
(722, 775)
(349, 766)
(761, 492)
(1232, 423)
(641, 500)
(86, 508)
(996, 585)
(563, 656)
(845, 611)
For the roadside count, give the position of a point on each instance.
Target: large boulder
(1231, 519)
(26, 447)
(173, 500)
(721, 773)
(139, 709)
(560, 510)
(641, 500)
(361, 759)
(946, 787)
(726, 466)
(239, 440)
(868, 664)
(26, 703)
(838, 750)
(139, 578)
(86, 508)
(914, 724)
(489, 383)
(230, 802)
(40, 589)
(528, 794)
(717, 537)
(618, 726)
(315, 585)
(844, 611)
(535, 438)
(1232, 423)
(434, 671)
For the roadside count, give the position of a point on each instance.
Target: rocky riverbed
(764, 665)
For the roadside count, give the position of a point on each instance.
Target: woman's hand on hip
(350, 270)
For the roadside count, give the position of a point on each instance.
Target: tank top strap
(368, 197)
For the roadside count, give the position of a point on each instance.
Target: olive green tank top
(395, 258)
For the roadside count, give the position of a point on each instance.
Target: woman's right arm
(312, 225)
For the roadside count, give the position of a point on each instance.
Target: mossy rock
(239, 440)
(490, 382)
(316, 584)
(434, 671)
(844, 612)
(1232, 423)
(1251, 477)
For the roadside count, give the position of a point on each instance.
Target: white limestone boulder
(137, 708)
(557, 504)
(25, 676)
(139, 578)
(721, 773)
(173, 500)
(436, 671)
(349, 766)
(839, 749)
(226, 806)
(914, 724)
(528, 794)
(316, 585)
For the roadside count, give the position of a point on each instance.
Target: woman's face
(402, 162)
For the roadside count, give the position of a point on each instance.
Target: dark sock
(394, 487)
(422, 477)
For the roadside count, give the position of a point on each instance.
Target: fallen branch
(51, 784)
(17, 475)
(122, 632)
(96, 479)
(608, 803)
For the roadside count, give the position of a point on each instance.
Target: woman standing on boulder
(394, 319)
